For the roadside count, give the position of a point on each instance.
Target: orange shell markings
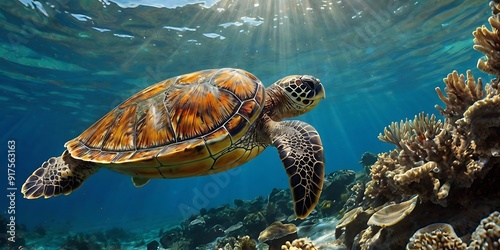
(174, 123)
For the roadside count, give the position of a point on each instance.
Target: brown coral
(424, 158)
(436, 236)
(483, 121)
(487, 234)
(488, 42)
(299, 244)
(460, 94)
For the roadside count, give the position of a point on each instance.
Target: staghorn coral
(488, 42)
(414, 138)
(299, 244)
(436, 236)
(487, 234)
(460, 94)
(423, 162)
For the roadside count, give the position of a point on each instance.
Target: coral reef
(436, 236)
(487, 234)
(240, 243)
(488, 42)
(452, 165)
(299, 244)
(225, 225)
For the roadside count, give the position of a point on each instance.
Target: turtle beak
(319, 91)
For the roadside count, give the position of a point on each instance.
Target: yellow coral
(416, 174)
(299, 244)
(487, 234)
(483, 121)
(436, 236)
(460, 94)
(488, 42)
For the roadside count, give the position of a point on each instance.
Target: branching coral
(460, 94)
(423, 162)
(413, 138)
(488, 42)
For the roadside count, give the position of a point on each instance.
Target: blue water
(65, 64)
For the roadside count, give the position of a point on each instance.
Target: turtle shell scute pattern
(193, 116)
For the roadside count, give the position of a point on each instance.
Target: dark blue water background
(64, 64)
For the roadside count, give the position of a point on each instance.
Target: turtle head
(293, 96)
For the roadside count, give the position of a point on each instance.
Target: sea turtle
(197, 124)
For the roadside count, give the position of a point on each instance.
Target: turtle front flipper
(301, 152)
(58, 175)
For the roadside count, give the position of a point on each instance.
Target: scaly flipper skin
(301, 152)
(57, 176)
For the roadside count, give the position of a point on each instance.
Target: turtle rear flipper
(58, 175)
(301, 152)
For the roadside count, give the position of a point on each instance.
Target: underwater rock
(336, 184)
(247, 217)
(197, 226)
(153, 245)
(254, 223)
(277, 234)
(79, 242)
(335, 192)
(281, 198)
(168, 238)
(239, 202)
